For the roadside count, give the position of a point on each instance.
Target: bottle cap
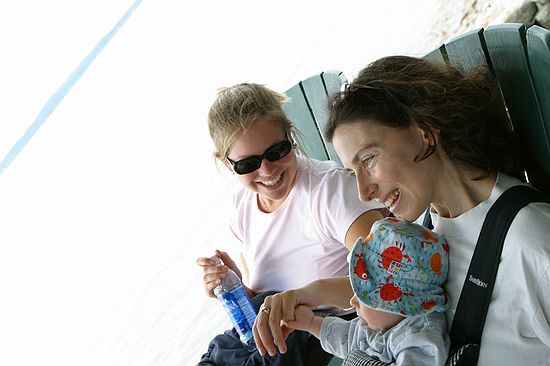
(217, 260)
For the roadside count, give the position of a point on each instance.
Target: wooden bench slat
(538, 47)
(467, 51)
(317, 91)
(506, 45)
(439, 55)
(298, 111)
(307, 109)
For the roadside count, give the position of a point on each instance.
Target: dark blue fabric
(226, 349)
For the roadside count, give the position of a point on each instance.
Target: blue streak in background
(55, 99)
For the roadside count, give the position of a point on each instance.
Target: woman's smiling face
(383, 160)
(273, 181)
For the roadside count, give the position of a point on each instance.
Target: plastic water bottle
(237, 304)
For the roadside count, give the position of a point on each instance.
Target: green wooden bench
(307, 109)
(520, 59)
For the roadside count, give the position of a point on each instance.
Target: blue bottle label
(240, 310)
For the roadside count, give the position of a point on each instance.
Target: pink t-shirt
(303, 240)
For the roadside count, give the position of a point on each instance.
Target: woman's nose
(267, 168)
(366, 188)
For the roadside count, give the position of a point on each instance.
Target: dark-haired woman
(418, 134)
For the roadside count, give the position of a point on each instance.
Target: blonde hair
(236, 108)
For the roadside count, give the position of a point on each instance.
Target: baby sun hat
(399, 268)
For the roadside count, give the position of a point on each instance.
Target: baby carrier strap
(475, 297)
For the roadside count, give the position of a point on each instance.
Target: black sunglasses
(273, 153)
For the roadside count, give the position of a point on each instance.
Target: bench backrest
(307, 109)
(520, 59)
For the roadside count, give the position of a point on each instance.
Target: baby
(396, 274)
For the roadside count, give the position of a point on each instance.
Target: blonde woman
(294, 219)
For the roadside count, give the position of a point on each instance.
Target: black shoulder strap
(427, 221)
(476, 293)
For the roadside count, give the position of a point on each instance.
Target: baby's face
(375, 319)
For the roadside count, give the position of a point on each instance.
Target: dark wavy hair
(465, 109)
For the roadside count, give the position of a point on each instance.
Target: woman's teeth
(270, 183)
(392, 198)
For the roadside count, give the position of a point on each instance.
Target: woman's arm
(361, 226)
(334, 291)
(248, 290)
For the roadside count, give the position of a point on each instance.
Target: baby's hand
(303, 318)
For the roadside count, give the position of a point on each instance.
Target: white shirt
(517, 329)
(303, 239)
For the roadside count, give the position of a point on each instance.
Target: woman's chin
(403, 212)
(272, 191)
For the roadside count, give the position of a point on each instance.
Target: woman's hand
(213, 274)
(270, 330)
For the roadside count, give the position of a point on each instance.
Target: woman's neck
(461, 189)
(267, 205)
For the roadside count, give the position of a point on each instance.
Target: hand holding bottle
(213, 274)
(235, 301)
